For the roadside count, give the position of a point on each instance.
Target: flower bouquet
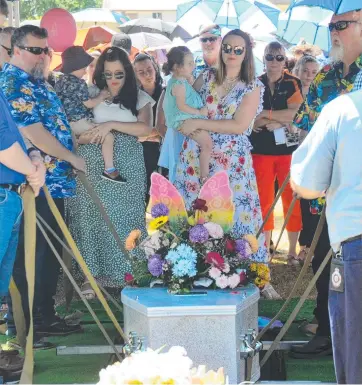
(155, 367)
(196, 248)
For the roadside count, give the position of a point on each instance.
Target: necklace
(229, 84)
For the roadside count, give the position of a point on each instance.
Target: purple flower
(155, 265)
(243, 248)
(198, 234)
(159, 210)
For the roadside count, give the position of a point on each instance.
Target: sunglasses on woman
(110, 75)
(206, 39)
(270, 57)
(340, 25)
(238, 50)
(36, 50)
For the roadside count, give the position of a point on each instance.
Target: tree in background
(35, 9)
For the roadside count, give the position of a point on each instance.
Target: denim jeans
(11, 209)
(345, 312)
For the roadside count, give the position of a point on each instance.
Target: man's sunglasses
(340, 25)
(270, 57)
(8, 50)
(227, 48)
(206, 39)
(36, 50)
(117, 75)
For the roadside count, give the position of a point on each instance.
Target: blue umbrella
(336, 6)
(226, 13)
(307, 23)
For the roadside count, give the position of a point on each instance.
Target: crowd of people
(113, 117)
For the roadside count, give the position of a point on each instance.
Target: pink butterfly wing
(163, 191)
(219, 201)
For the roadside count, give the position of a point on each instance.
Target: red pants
(267, 169)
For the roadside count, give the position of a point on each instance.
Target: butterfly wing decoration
(163, 191)
(219, 201)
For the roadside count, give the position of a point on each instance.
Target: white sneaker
(269, 292)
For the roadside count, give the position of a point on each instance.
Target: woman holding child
(233, 98)
(127, 114)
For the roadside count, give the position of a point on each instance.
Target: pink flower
(214, 229)
(214, 273)
(222, 281)
(233, 281)
(128, 277)
(226, 268)
(215, 259)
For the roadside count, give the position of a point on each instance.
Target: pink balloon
(62, 29)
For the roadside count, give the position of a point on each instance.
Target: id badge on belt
(336, 281)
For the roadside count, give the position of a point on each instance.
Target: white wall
(166, 15)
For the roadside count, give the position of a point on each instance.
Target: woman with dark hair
(128, 114)
(233, 97)
(149, 78)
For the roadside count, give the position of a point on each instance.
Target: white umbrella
(143, 40)
(169, 29)
(96, 16)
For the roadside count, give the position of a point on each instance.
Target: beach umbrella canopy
(150, 25)
(97, 16)
(226, 13)
(336, 6)
(309, 24)
(143, 40)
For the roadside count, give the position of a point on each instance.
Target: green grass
(53, 369)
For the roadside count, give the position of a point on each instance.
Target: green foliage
(35, 9)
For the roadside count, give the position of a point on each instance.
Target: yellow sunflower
(158, 222)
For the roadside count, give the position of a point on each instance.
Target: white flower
(152, 243)
(214, 229)
(222, 281)
(214, 272)
(226, 268)
(234, 281)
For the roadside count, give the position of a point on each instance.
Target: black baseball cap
(122, 40)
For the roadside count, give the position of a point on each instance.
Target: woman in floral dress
(233, 96)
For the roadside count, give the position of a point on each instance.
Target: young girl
(182, 102)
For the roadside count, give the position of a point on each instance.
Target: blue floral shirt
(35, 101)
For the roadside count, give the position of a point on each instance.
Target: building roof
(142, 5)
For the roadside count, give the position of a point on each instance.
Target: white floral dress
(230, 153)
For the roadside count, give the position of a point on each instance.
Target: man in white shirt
(330, 160)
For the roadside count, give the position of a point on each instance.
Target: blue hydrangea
(184, 268)
(172, 256)
(159, 210)
(183, 260)
(186, 252)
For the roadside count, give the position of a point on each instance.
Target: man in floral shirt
(41, 119)
(333, 80)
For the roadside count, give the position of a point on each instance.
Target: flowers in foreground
(132, 239)
(183, 260)
(155, 265)
(155, 367)
(215, 259)
(214, 229)
(198, 234)
(159, 210)
(156, 223)
(128, 277)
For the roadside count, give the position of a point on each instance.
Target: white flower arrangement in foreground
(156, 368)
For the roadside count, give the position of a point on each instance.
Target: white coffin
(207, 325)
